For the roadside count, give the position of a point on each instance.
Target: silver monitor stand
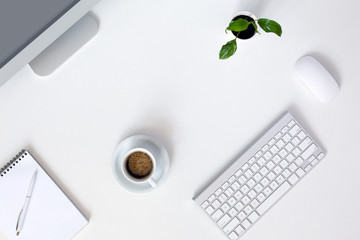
(65, 46)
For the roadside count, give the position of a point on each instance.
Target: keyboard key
(299, 161)
(225, 185)
(267, 191)
(242, 179)
(315, 161)
(295, 141)
(248, 209)
(290, 157)
(245, 200)
(271, 176)
(261, 197)
(286, 173)
(231, 225)
(267, 155)
(253, 217)
(274, 185)
(271, 142)
(244, 189)
(284, 163)
(293, 131)
(246, 224)
(252, 194)
(258, 154)
(225, 207)
(280, 143)
(231, 179)
(264, 171)
(255, 167)
(238, 173)
(232, 212)
(251, 183)
(289, 147)
(265, 148)
(304, 144)
(293, 179)
(286, 137)
(284, 130)
(229, 192)
(235, 186)
(205, 204)
(239, 230)
(222, 198)
(258, 188)
(283, 153)
(277, 170)
(251, 160)
(301, 135)
(309, 151)
(307, 168)
(238, 195)
(231, 201)
(292, 167)
(274, 149)
(217, 215)
(296, 152)
(218, 192)
(245, 166)
(276, 159)
(261, 161)
(233, 236)
(280, 179)
(248, 173)
(278, 135)
(291, 123)
(270, 165)
(273, 198)
(216, 204)
(265, 181)
(224, 220)
(239, 206)
(210, 210)
(254, 203)
(320, 156)
(300, 172)
(257, 177)
(212, 198)
(241, 215)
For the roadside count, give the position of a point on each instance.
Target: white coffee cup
(131, 176)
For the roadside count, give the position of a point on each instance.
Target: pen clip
(17, 223)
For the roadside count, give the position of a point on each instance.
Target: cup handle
(152, 182)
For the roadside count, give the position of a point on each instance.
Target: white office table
(153, 67)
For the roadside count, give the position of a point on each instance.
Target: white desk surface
(153, 67)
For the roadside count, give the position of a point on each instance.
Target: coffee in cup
(139, 165)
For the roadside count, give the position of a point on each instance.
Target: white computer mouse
(316, 78)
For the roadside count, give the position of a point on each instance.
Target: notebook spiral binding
(7, 167)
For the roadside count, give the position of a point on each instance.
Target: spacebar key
(273, 198)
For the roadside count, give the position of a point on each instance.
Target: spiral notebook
(50, 214)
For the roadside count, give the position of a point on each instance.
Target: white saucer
(140, 141)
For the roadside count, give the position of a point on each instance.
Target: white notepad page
(50, 216)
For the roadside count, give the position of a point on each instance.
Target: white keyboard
(269, 168)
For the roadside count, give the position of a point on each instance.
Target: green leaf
(270, 26)
(255, 26)
(238, 25)
(228, 49)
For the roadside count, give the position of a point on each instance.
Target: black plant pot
(250, 31)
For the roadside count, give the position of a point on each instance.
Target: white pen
(21, 218)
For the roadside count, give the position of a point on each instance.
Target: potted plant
(244, 26)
